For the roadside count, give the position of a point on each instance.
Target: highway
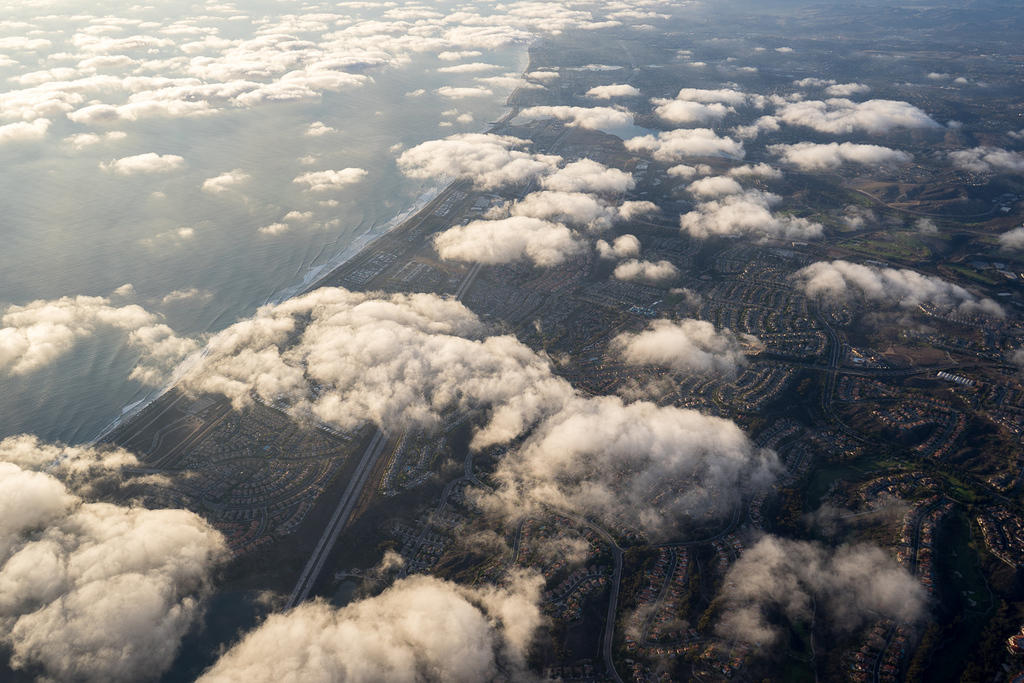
(347, 502)
(342, 513)
(467, 281)
(613, 598)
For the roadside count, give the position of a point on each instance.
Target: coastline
(314, 276)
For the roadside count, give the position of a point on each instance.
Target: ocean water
(68, 228)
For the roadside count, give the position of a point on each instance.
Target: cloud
(684, 345)
(80, 141)
(179, 235)
(764, 124)
(149, 162)
(472, 67)
(677, 144)
(456, 55)
(630, 210)
(607, 92)
(812, 82)
(22, 131)
(842, 280)
(318, 128)
(226, 182)
(810, 156)
(926, 226)
(748, 213)
(93, 591)
(685, 112)
(489, 160)
(594, 118)
(75, 466)
(574, 208)
(456, 93)
(507, 240)
(761, 170)
(846, 116)
(624, 246)
(586, 175)
(508, 82)
(848, 587)
(651, 272)
(723, 95)
(329, 181)
(847, 89)
(274, 229)
(190, 294)
(649, 467)
(1012, 240)
(543, 75)
(988, 159)
(420, 628)
(715, 186)
(37, 333)
(685, 171)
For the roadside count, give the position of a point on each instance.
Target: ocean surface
(69, 228)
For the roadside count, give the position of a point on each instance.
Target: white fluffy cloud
(329, 181)
(39, 332)
(509, 239)
(846, 116)
(607, 92)
(686, 171)
(841, 280)
(722, 95)
(847, 587)
(468, 68)
(488, 160)
(586, 175)
(573, 208)
(687, 112)
(988, 159)
(650, 272)
(714, 186)
(226, 182)
(748, 213)
(847, 89)
(421, 628)
(1012, 240)
(761, 170)
(624, 246)
(464, 92)
(93, 591)
(21, 131)
(677, 144)
(150, 162)
(398, 361)
(684, 345)
(80, 141)
(764, 124)
(650, 467)
(318, 128)
(594, 118)
(810, 156)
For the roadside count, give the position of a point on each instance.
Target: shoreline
(314, 276)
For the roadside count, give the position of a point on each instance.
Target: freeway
(342, 513)
(467, 281)
(613, 598)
